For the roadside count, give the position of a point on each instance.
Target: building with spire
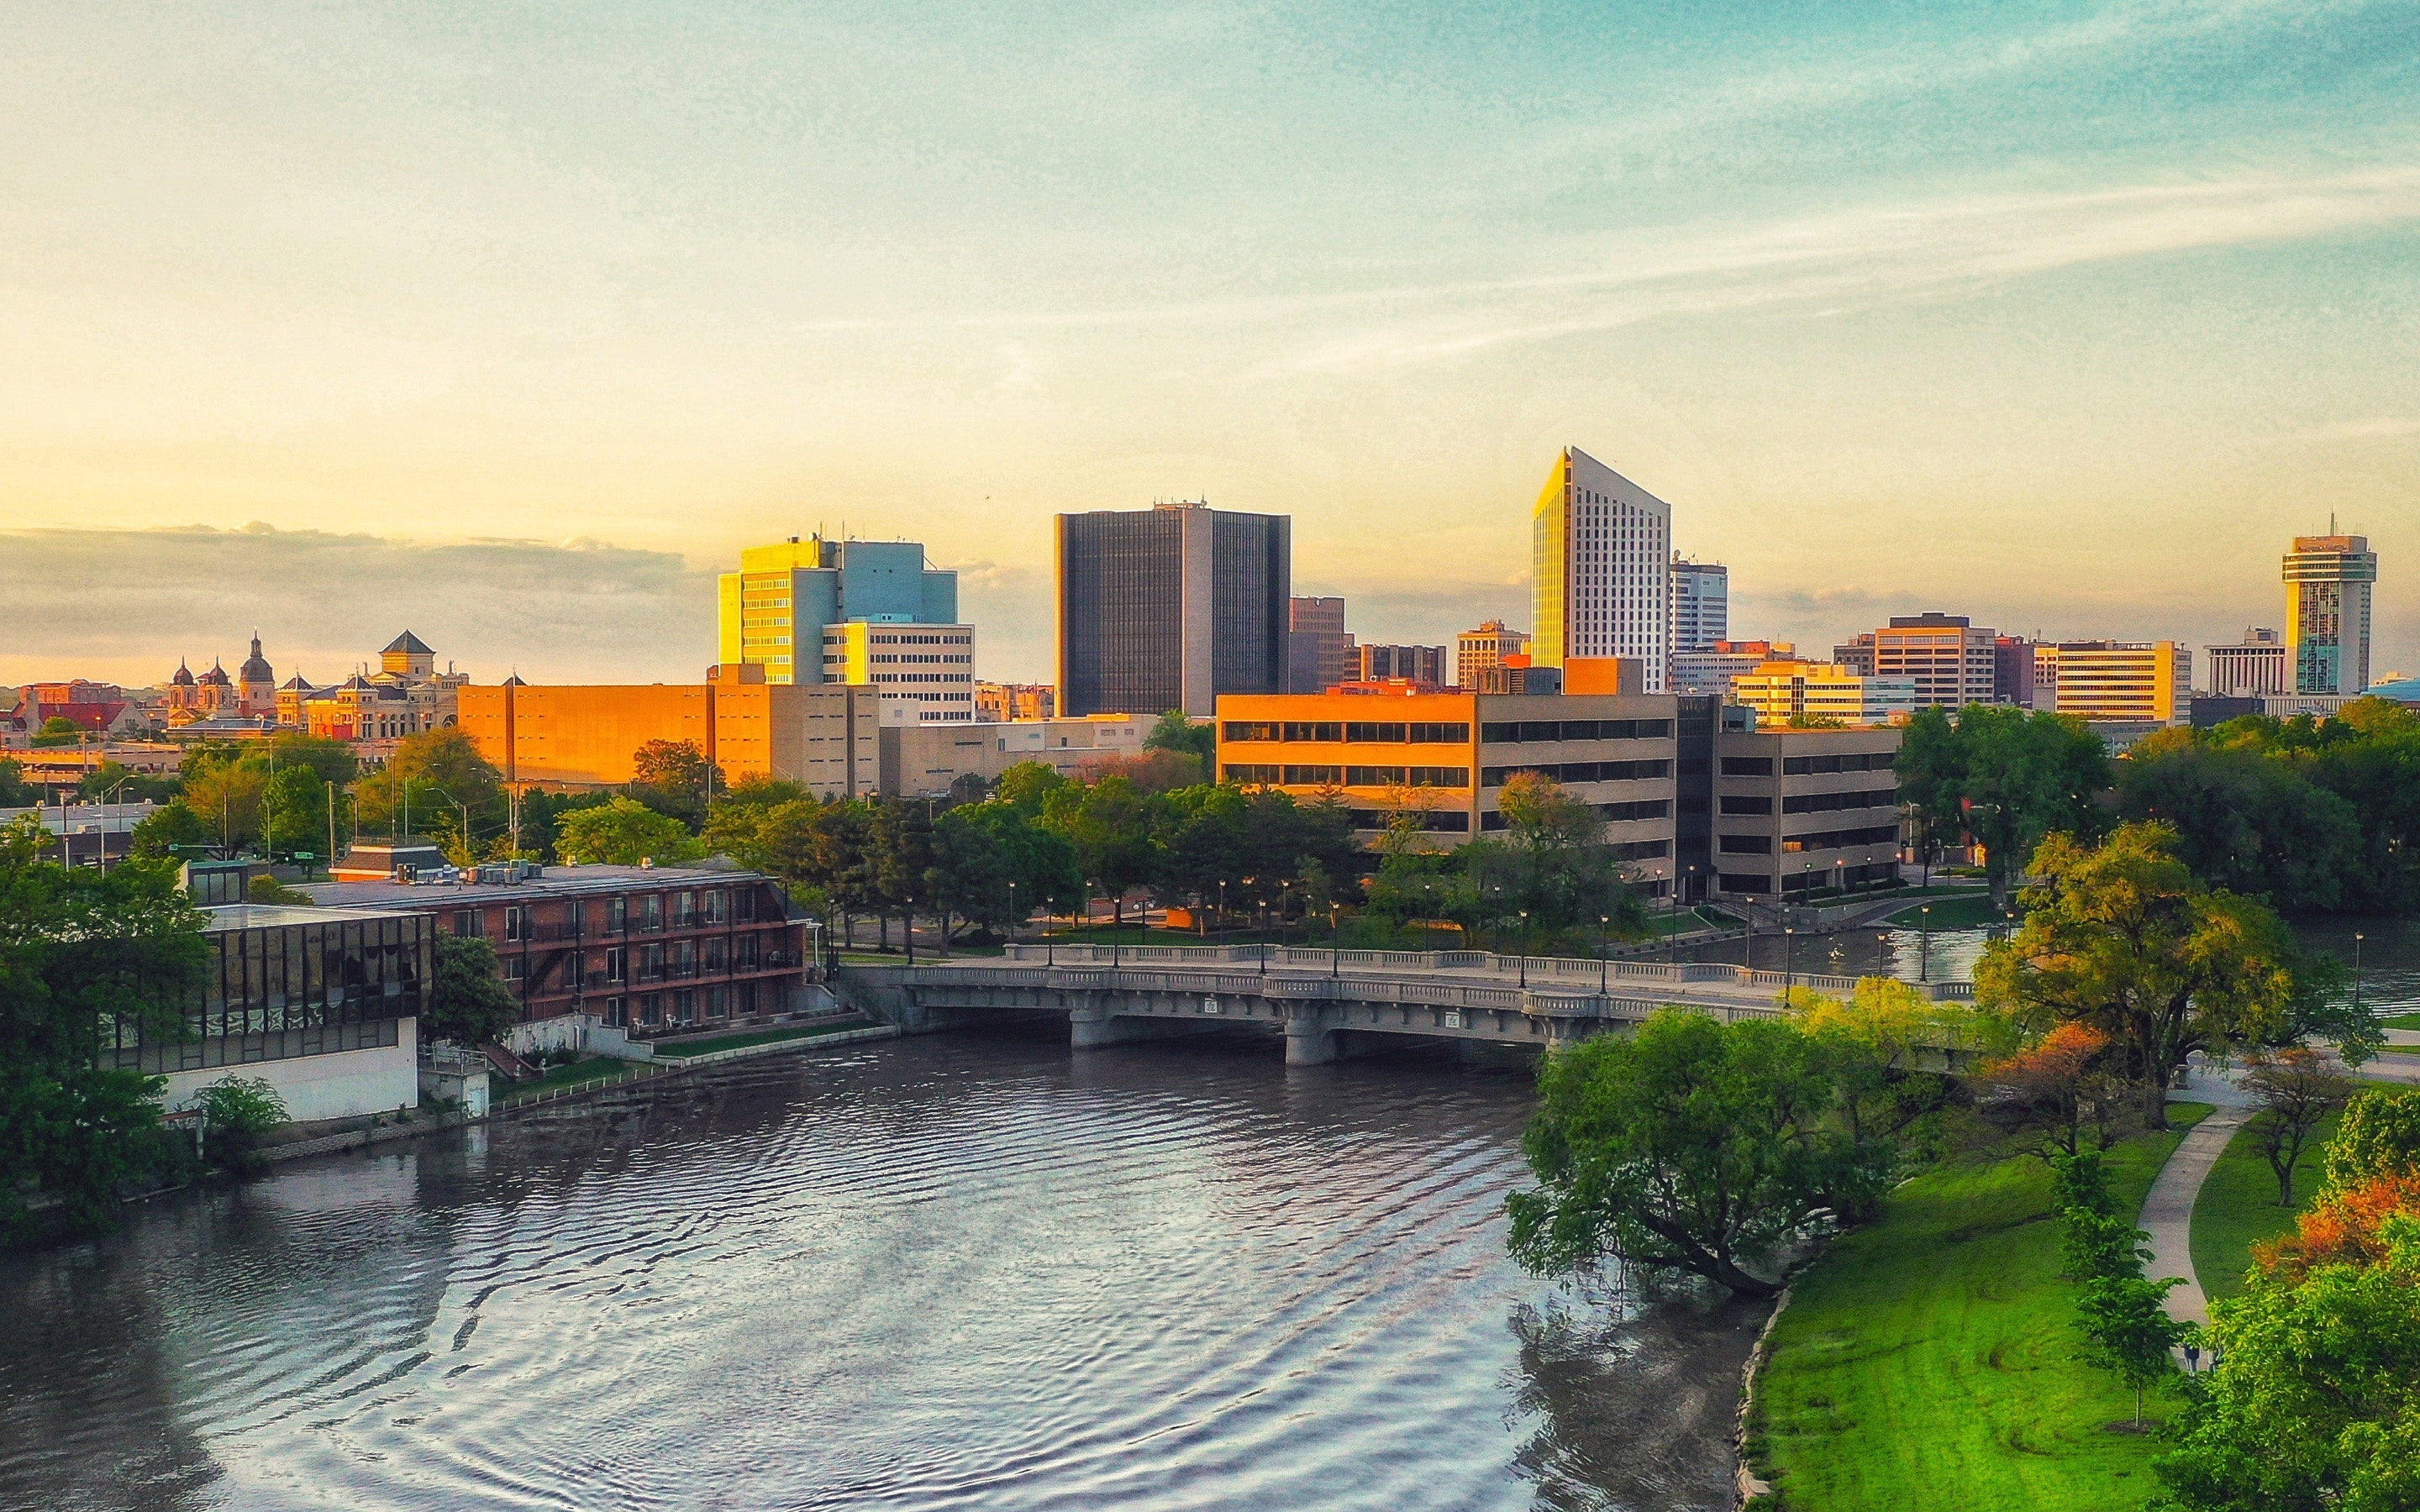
(2329, 580)
(255, 684)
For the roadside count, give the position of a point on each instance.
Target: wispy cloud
(1876, 254)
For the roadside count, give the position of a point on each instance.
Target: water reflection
(961, 1272)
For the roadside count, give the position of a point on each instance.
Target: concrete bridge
(1327, 1003)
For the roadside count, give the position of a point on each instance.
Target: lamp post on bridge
(1525, 948)
(1604, 953)
(1788, 958)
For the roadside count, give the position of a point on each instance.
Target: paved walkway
(2167, 1212)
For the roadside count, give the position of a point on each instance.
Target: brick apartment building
(650, 950)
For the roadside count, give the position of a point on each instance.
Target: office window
(1747, 767)
(1253, 772)
(1736, 802)
(1251, 730)
(1747, 844)
(617, 914)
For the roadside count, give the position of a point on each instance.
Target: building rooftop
(407, 644)
(270, 915)
(557, 882)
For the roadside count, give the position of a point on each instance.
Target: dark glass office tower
(1167, 608)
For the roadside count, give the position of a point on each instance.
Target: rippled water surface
(944, 1273)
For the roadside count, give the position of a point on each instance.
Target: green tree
(2128, 940)
(295, 811)
(330, 759)
(1562, 869)
(1027, 785)
(271, 890)
(229, 799)
(2004, 775)
(434, 778)
(2127, 1329)
(15, 792)
(467, 1002)
(2245, 822)
(2297, 1087)
(235, 1112)
(1695, 1147)
(622, 832)
(2379, 1135)
(541, 819)
(58, 730)
(2317, 1405)
(1175, 730)
(84, 955)
(121, 785)
(1878, 1041)
(158, 835)
(1111, 826)
(672, 777)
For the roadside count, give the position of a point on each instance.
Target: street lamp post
(1788, 958)
(1603, 952)
(2356, 970)
(1924, 946)
(1012, 913)
(1525, 948)
(1335, 945)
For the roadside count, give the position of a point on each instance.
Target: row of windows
(1854, 761)
(1496, 776)
(1348, 777)
(1825, 840)
(1354, 732)
(1444, 822)
(1762, 803)
(1524, 730)
(646, 912)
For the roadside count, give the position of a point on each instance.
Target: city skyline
(1901, 313)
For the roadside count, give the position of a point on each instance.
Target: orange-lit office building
(823, 736)
(1446, 756)
(1685, 784)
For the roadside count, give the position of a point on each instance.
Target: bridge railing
(1551, 968)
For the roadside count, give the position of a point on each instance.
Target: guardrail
(1709, 973)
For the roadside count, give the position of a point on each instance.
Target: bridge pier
(1094, 1030)
(1309, 1044)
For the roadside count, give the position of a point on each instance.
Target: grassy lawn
(2238, 1208)
(733, 1041)
(1965, 911)
(2402, 1020)
(1928, 1360)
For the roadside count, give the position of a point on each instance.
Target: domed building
(181, 694)
(256, 682)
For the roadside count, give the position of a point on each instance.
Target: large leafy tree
(168, 831)
(2128, 940)
(467, 1001)
(2246, 821)
(83, 953)
(623, 832)
(2317, 1405)
(436, 779)
(674, 776)
(2004, 775)
(1111, 825)
(1697, 1147)
(227, 797)
(1175, 730)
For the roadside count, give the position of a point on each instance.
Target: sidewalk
(2167, 1211)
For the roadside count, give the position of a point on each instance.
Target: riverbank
(586, 1079)
(1928, 1359)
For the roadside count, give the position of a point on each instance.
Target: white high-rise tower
(1601, 569)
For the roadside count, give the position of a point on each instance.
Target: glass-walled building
(322, 1003)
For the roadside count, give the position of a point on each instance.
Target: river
(951, 1272)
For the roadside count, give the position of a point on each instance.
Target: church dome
(183, 677)
(215, 677)
(255, 667)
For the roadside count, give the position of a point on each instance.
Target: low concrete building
(648, 950)
(924, 762)
(1796, 811)
(320, 1003)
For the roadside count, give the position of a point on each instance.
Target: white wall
(344, 1085)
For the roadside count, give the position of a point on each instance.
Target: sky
(511, 323)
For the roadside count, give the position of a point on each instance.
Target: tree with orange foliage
(2313, 1404)
(2059, 1091)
